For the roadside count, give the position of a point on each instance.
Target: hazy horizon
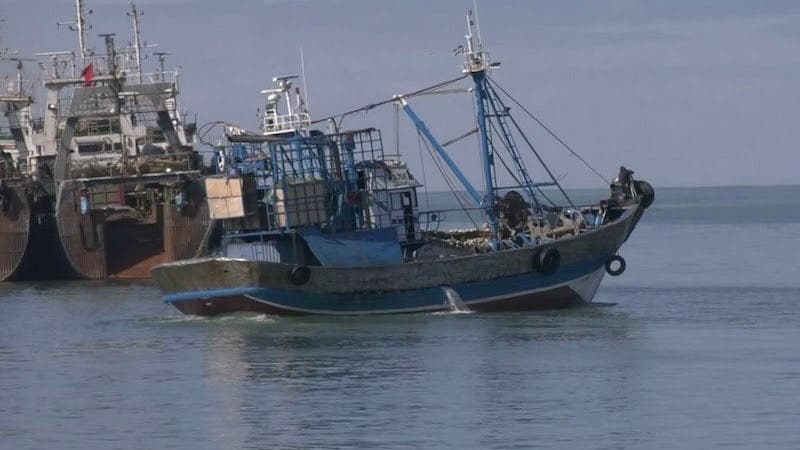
(686, 93)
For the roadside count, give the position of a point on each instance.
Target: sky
(684, 92)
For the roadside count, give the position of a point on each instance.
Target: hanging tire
(547, 261)
(299, 275)
(618, 271)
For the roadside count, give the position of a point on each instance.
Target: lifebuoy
(299, 275)
(618, 271)
(547, 261)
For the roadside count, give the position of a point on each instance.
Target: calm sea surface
(697, 345)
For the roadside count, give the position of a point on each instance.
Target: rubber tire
(620, 270)
(547, 261)
(299, 275)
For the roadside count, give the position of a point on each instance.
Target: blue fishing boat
(312, 222)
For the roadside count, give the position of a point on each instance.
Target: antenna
(80, 26)
(305, 85)
(5, 52)
(477, 22)
(134, 14)
(161, 57)
(18, 88)
(477, 60)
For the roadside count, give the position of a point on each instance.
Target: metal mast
(80, 26)
(134, 14)
(476, 64)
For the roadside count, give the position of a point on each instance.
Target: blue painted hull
(501, 281)
(530, 291)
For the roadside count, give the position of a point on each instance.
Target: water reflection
(292, 381)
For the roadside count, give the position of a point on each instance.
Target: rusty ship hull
(29, 245)
(110, 242)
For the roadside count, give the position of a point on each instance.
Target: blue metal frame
(479, 78)
(442, 153)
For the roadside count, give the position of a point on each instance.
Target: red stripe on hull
(558, 298)
(230, 304)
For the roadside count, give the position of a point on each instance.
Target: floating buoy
(618, 271)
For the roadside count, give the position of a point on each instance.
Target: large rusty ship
(29, 247)
(129, 190)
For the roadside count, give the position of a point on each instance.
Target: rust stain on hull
(100, 245)
(15, 230)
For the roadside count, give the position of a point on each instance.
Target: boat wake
(455, 302)
(228, 318)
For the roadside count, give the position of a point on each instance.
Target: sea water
(696, 345)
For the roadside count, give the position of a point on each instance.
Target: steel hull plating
(97, 248)
(29, 247)
(501, 281)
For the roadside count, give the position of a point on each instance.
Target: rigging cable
(394, 98)
(508, 142)
(449, 182)
(541, 161)
(514, 177)
(548, 130)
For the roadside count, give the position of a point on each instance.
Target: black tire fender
(619, 270)
(299, 275)
(547, 261)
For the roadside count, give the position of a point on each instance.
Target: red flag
(88, 75)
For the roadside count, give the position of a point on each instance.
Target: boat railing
(60, 67)
(336, 180)
(433, 220)
(168, 76)
(273, 123)
(16, 88)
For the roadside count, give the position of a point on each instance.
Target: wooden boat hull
(98, 246)
(500, 281)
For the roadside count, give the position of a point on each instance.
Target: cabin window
(90, 148)
(396, 203)
(406, 199)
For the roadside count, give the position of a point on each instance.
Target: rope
(541, 161)
(202, 249)
(375, 105)
(205, 129)
(448, 181)
(548, 130)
